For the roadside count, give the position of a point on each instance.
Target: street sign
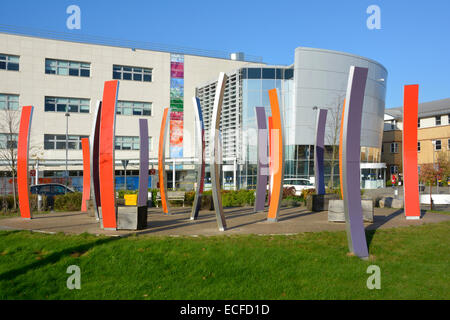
(33, 173)
(152, 172)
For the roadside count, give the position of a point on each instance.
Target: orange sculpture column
(86, 174)
(23, 144)
(341, 135)
(270, 161)
(276, 138)
(106, 155)
(162, 161)
(410, 171)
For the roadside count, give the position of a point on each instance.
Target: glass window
(438, 120)
(437, 145)
(73, 105)
(254, 73)
(244, 73)
(288, 74)
(279, 73)
(418, 146)
(8, 62)
(268, 73)
(67, 68)
(9, 102)
(132, 73)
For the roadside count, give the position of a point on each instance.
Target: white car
(299, 185)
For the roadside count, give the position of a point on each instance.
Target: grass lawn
(414, 264)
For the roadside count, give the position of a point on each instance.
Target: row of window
(437, 120)
(58, 142)
(436, 143)
(80, 69)
(78, 105)
(132, 73)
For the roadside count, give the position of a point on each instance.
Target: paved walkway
(239, 221)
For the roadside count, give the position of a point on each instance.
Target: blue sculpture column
(351, 156)
(319, 151)
(262, 158)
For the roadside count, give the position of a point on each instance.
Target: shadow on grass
(53, 258)
(378, 222)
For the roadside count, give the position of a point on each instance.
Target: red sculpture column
(86, 174)
(23, 145)
(106, 155)
(410, 171)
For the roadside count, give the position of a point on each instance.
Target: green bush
(292, 201)
(238, 198)
(122, 193)
(68, 202)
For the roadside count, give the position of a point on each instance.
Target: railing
(132, 44)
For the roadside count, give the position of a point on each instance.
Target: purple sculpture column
(143, 163)
(319, 151)
(351, 155)
(262, 158)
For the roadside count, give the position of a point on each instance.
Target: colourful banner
(176, 105)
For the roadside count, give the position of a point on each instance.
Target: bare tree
(332, 138)
(9, 128)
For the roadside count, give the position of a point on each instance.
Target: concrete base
(336, 210)
(389, 202)
(90, 208)
(132, 218)
(272, 220)
(319, 202)
(412, 218)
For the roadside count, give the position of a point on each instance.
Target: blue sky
(413, 44)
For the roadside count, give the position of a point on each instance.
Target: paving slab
(239, 221)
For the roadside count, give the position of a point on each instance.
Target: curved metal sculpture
(269, 196)
(143, 163)
(94, 152)
(162, 161)
(106, 155)
(277, 147)
(410, 172)
(214, 152)
(23, 146)
(200, 129)
(351, 157)
(319, 151)
(86, 174)
(262, 158)
(341, 135)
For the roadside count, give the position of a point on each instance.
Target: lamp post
(67, 149)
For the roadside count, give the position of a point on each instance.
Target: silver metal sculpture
(200, 130)
(262, 173)
(351, 157)
(94, 152)
(319, 151)
(214, 152)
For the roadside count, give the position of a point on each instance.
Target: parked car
(299, 185)
(50, 190)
